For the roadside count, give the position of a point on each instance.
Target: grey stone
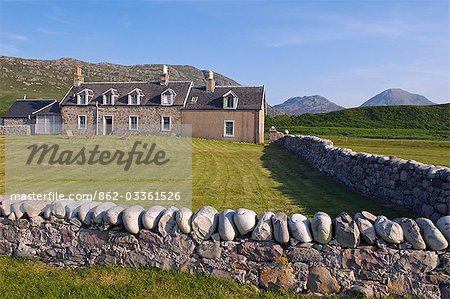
(280, 228)
(264, 230)
(59, 208)
(346, 231)
(151, 217)
(99, 211)
(321, 227)
(388, 230)
(244, 220)
(113, 216)
(366, 229)
(300, 228)
(73, 208)
(33, 208)
(85, 211)
(183, 216)
(411, 232)
(369, 216)
(5, 206)
(443, 224)
(132, 218)
(167, 224)
(209, 250)
(227, 229)
(205, 222)
(17, 209)
(441, 207)
(434, 239)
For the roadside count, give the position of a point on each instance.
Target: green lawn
(267, 178)
(425, 151)
(27, 279)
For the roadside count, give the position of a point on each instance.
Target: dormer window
(110, 96)
(135, 96)
(167, 97)
(84, 96)
(230, 100)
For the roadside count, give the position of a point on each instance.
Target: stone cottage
(230, 113)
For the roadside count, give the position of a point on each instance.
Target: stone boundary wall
(422, 187)
(361, 255)
(15, 130)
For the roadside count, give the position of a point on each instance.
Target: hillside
(271, 111)
(422, 122)
(52, 78)
(397, 97)
(308, 104)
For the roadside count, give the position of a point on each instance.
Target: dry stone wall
(360, 255)
(422, 187)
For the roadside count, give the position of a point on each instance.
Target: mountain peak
(397, 97)
(307, 104)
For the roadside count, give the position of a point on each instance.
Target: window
(84, 96)
(133, 99)
(167, 97)
(107, 99)
(166, 123)
(230, 100)
(82, 122)
(133, 122)
(82, 99)
(228, 128)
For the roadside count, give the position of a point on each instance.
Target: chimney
(164, 76)
(78, 78)
(210, 82)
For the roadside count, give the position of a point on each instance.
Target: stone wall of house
(149, 118)
(360, 255)
(422, 187)
(15, 129)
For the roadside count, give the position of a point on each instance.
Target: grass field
(27, 279)
(425, 151)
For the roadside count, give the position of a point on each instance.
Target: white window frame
(225, 100)
(112, 99)
(162, 123)
(138, 99)
(79, 122)
(129, 123)
(85, 99)
(225, 127)
(168, 94)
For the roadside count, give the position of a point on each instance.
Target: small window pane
(229, 128)
(133, 123)
(166, 123)
(82, 122)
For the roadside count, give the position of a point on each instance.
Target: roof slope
(250, 98)
(24, 108)
(152, 92)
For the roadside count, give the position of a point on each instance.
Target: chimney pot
(164, 76)
(78, 78)
(210, 82)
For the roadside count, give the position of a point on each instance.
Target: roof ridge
(133, 82)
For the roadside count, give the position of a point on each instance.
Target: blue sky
(346, 51)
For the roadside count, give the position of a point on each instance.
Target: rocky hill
(271, 111)
(308, 104)
(397, 97)
(52, 78)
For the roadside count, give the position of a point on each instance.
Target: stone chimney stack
(164, 76)
(78, 77)
(210, 82)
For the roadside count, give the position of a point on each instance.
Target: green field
(425, 151)
(27, 279)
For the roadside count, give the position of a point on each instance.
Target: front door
(107, 125)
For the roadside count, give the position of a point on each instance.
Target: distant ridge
(397, 97)
(308, 104)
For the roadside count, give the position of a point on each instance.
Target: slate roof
(249, 98)
(24, 108)
(152, 92)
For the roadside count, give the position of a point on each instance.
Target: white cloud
(13, 37)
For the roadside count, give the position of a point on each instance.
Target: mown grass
(425, 151)
(27, 279)
(268, 178)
